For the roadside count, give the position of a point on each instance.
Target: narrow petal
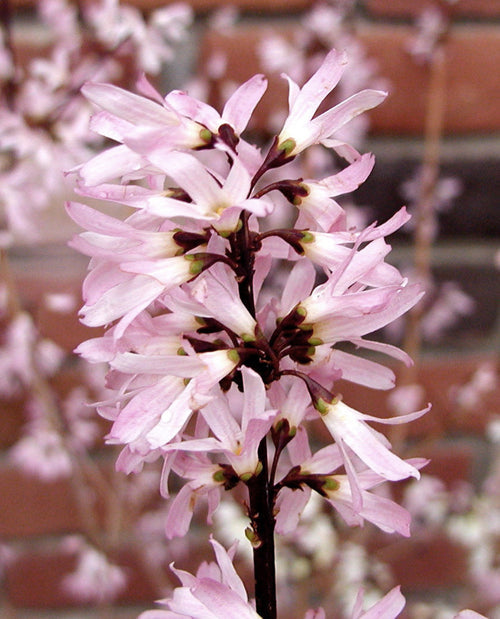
(169, 272)
(126, 298)
(109, 164)
(350, 178)
(190, 174)
(389, 607)
(324, 80)
(255, 395)
(241, 104)
(355, 369)
(344, 424)
(127, 105)
(335, 118)
(176, 365)
(229, 574)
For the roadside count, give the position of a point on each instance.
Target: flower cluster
(43, 119)
(218, 591)
(210, 367)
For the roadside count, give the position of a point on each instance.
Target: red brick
(432, 562)
(438, 377)
(410, 8)
(441, 375)
(450, 461)
(260, 6)
(472, 90)
(473, 85)
(267, 6)
(33, 580)
(11, 421)
(52, 270)
(14, 416)
(31, 507)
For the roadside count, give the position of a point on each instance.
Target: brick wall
(34, 515)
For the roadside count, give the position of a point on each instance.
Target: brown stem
(424, 217)
(261, 514)
(424, 212)
(10, 85)
(260, 488)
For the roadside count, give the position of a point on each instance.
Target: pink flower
(353, 435)
(206, 362)
(352, 499)
(216, 591)
(301, 130)
(95, 579)
(317, 208)
(41, 452)
(149, 124)
(237, 443)
(388, 607)
(118, 24)
(202, 479)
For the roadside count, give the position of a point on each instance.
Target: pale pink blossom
(216, 591)
(449, 307)
(431, 25)
(237, 443)
(406, 398)
(354, 502)
(95, 579)
(117, 24)
(202, 480)
(301, 129)
(317, 208)
(389, 607)
(354, 437)
(41, 452)
(206, 363)
(44, 122)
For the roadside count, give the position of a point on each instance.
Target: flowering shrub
(234, 295)
(44, 122)
(213, 370)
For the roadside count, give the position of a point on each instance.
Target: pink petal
(388, 607)
(349, 178)
(112, 163)
(241, 104)
(344, 424)
(331, 121)
(306, 101)
(229, 574)
(127, 105)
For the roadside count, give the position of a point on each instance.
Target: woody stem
(261, 514)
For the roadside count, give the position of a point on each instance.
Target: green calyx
(233, 355)
(331, 484)
(322, 406)
(246, 477)
(252, 537)
(301, 311)
(196, 266)
(307, 237)
(287, 146)
(315, 341)
(219, 477)
(248, 337)
(206, 135)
